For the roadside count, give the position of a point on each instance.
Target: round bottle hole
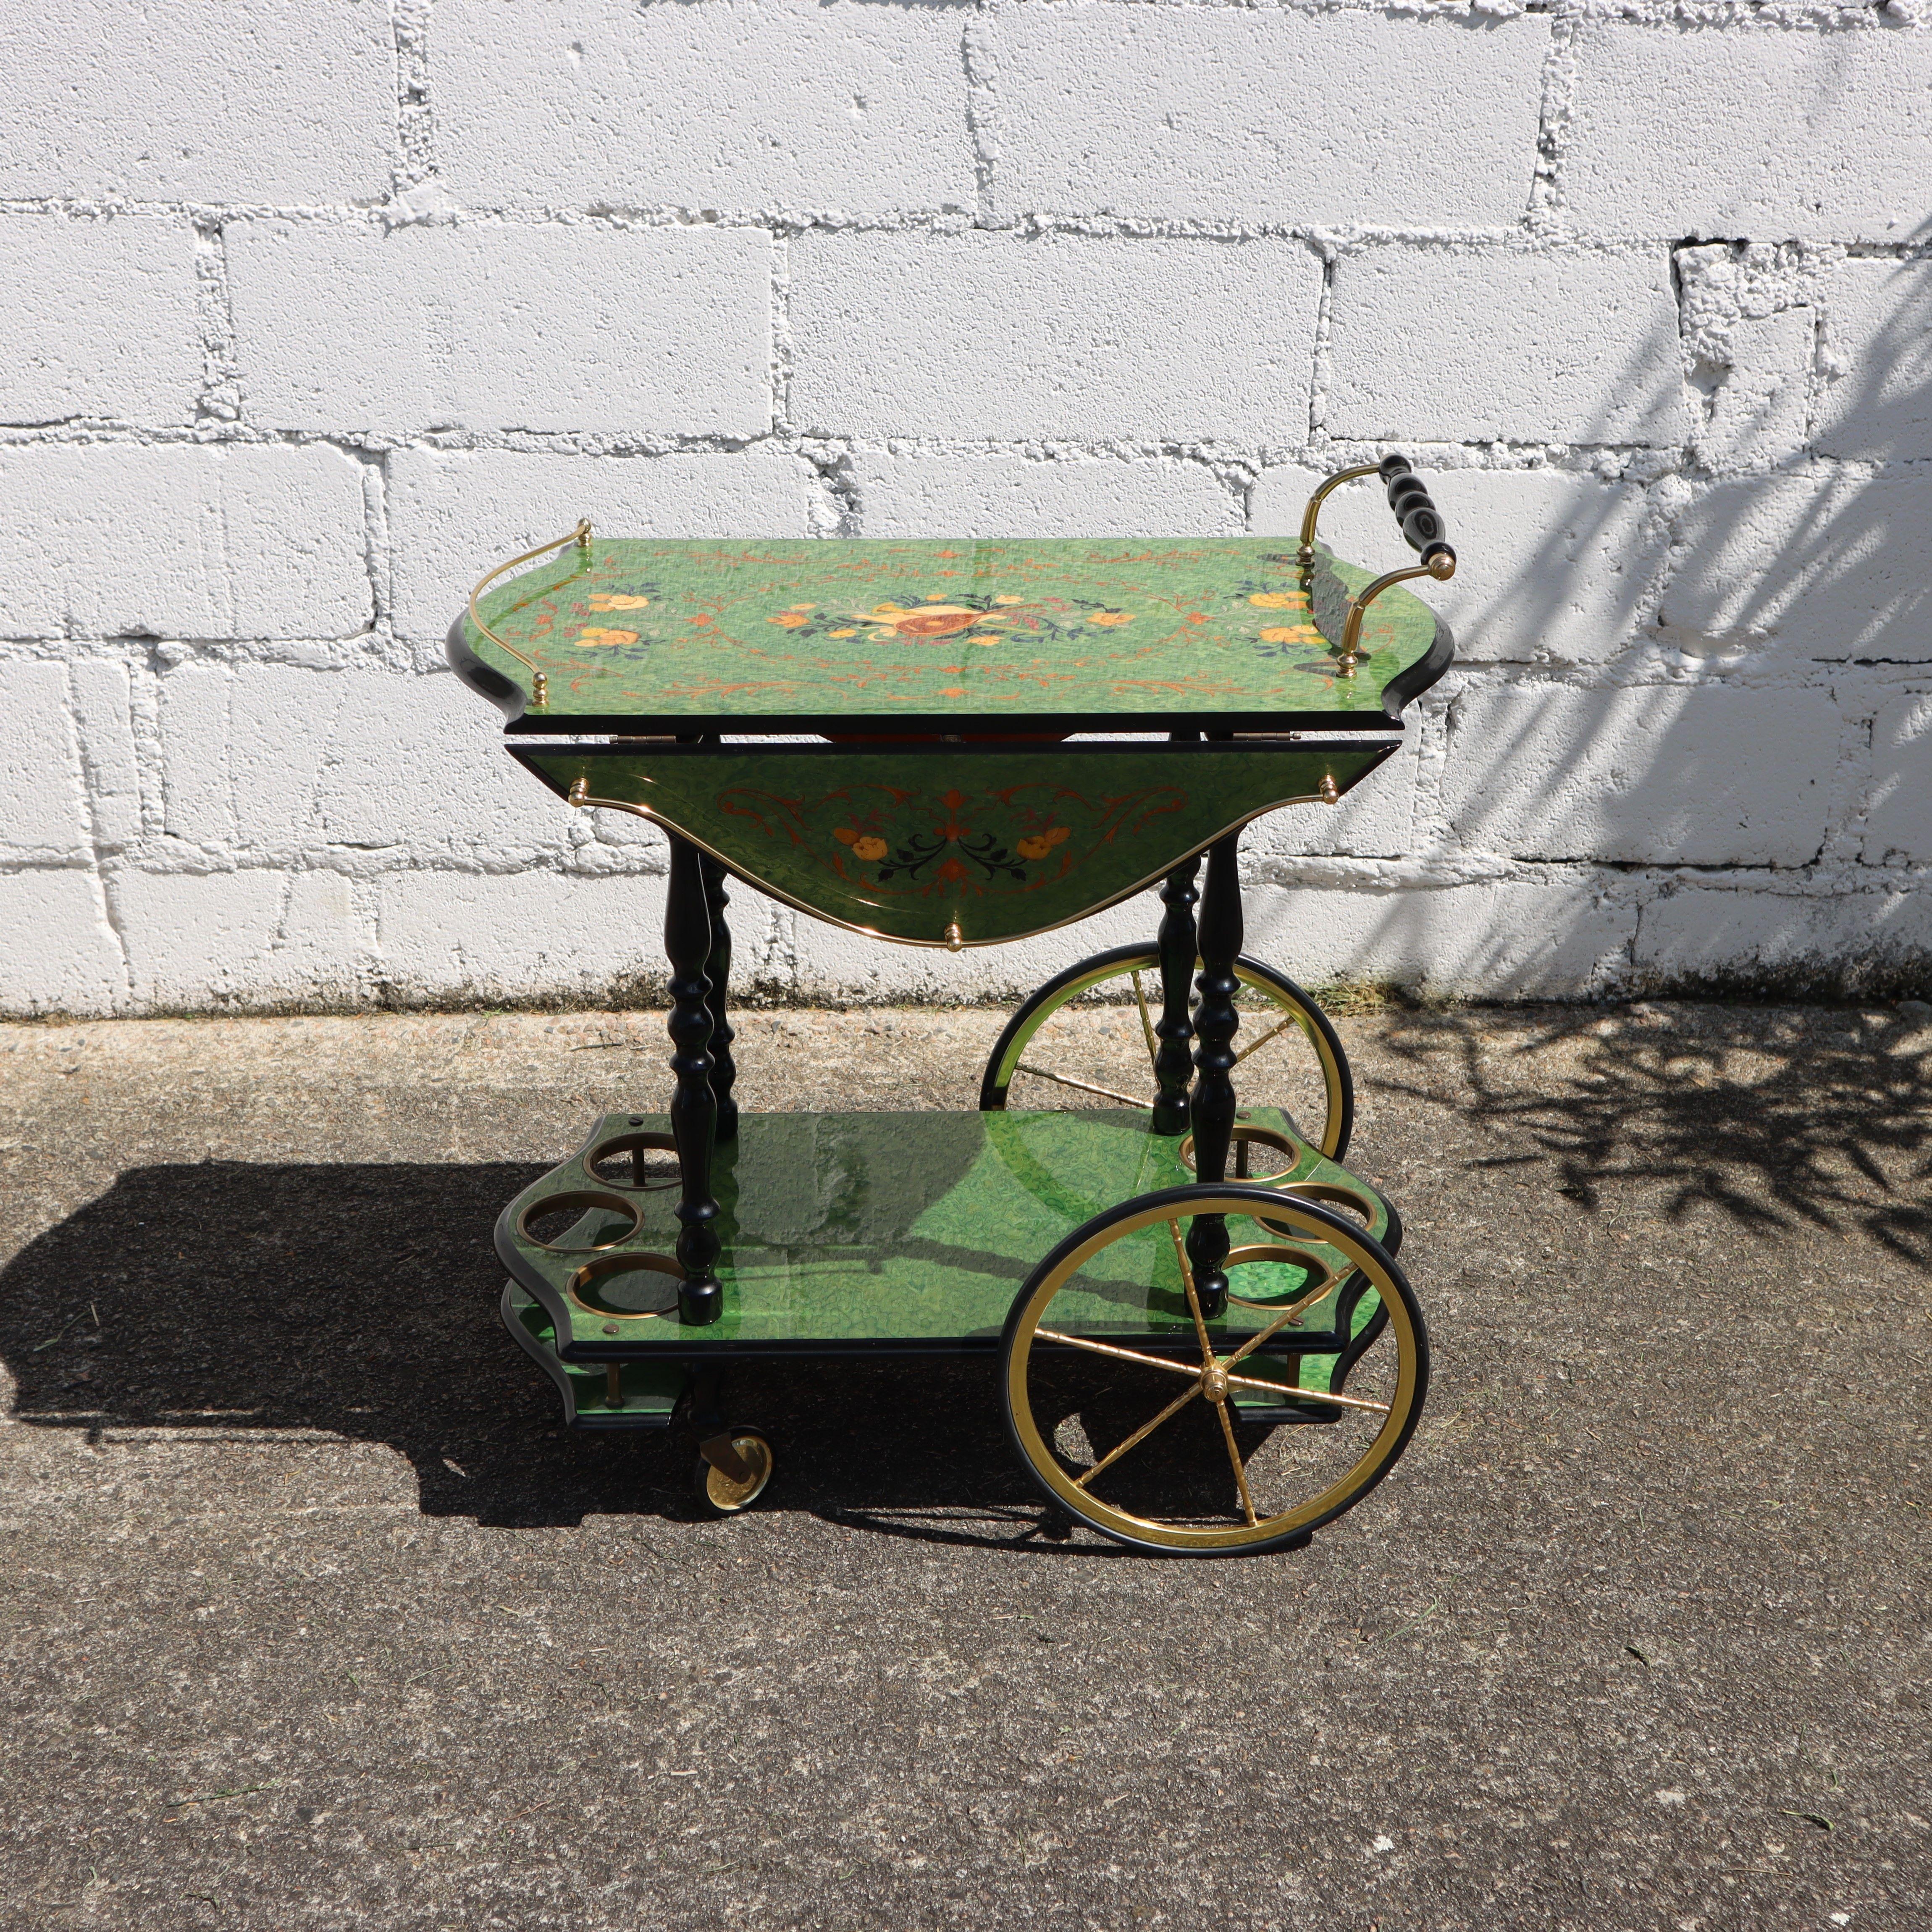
(645, 1161)
(592, 1221)
(1257, 1153)
(627, 1286)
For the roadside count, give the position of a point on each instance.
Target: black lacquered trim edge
(1382, 738)
(506, 694)
(1407, 685)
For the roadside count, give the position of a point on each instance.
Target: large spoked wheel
(1161, 1426)
(1086, 1038)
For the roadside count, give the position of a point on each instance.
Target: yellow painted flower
(1041, 843)
(1111, 617)
(1289, 633)
(1277, 600)
(790, 619)
(844, 634)
(609, 600)
(596, 633)
(868, 848)
(843, 834)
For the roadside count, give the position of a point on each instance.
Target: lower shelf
(853, 1234)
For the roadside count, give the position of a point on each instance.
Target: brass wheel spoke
(1085, 1086)
(1291, 1393)
(1147, 1025)
(1273, 1033)
(1119, 1354)
(1140, 1434)
(1234, 1457)
(1193, 1299)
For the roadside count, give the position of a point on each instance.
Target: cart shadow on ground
(359, 1302)
(239, 1299)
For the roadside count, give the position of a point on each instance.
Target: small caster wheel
(733, 1469)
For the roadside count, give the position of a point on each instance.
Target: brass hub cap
(1214, 1384)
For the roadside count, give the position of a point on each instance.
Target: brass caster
(733, 1470)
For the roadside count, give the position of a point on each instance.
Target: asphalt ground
(314, 1617)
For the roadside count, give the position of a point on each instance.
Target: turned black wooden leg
(1212, 1112)
(1172, 1067)
(694, 1110)
(717, 970)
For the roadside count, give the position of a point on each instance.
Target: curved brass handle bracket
(1440, 565)
(1305, 556)
(539, 683)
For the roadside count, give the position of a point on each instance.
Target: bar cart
(955, 745)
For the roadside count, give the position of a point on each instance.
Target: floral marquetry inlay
(978, 632)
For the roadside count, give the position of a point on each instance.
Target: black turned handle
(1415, 509)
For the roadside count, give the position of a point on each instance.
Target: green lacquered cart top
(845, 1231)
(1072, 634)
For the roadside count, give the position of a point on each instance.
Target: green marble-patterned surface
(725, 635)
(845, 1229)
(646, 1394)
(907, 842)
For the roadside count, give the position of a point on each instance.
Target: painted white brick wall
(216, 541)
(738, 104)
(1516, 344)
(538, 328)
(1188, 113)
(279, 101)
(42, 812)
(102, 319)
(315, 311)
(970, 494)
(1659, 774)
(1011, 336)
(1761, 130)
(1877, 399)
(1899, 824)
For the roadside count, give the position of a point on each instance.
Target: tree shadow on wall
(1851, 576)
(1823, 558)
(229, 1298)
(1821, 1120)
